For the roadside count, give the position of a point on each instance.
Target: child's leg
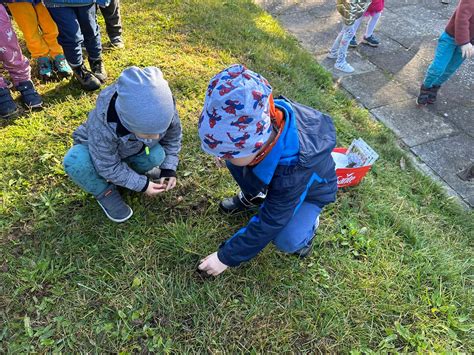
(144, 162)
(25, 16)
(113, 24)
(299, 232)
(348, 33)
(79, 167)
(453, 65)
(372, 24)
(337, 42)
(70, 36)
(49, 29)
(86, 15)
(443, 55)
(10, 53)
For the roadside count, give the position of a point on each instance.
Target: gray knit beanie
(144, 101)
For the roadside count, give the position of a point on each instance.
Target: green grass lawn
(393, 263)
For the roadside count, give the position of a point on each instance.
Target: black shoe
(241, 202)
(87, 80)
(117, 43)
(305, 251)
(113, 205)
(29, 95)
(98, 69)
(8, 107)
(427, 96)
(353, 43)
(433, 94)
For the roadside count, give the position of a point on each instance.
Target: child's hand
(154, 188)
(171, 182)
(467, 50)
(212, 265)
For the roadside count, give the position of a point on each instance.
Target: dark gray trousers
(111, 14)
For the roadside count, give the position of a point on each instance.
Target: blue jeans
(79, 167)
(299, 231)
(78, 25)
(448, 58)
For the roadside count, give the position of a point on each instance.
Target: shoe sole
(10, 115)
(370, 44)
(347, 72)
(114, 219)
(353, 45)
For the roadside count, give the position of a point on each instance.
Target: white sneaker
(345, 67)
(332, 55)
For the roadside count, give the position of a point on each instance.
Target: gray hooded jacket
(110, 143)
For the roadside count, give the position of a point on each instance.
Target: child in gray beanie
(133, 129)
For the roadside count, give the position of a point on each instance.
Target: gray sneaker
(113, 205)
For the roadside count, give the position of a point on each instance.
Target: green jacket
(351, 10)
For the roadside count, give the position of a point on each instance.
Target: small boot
(98, 69)
(241, 202)
(87, 80)
(113, 205)
(29, 95)
(45, 69)
(433, 94)
(62, 67)
(8, 107)
(427, 95)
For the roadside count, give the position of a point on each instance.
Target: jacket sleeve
(103, 148)
(462, 21)
(278, 209)
(171, 143)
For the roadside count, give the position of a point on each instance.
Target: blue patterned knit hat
(235, 121)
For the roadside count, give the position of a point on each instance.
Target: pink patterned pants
(11, 57)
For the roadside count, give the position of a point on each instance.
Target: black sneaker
(371, 41)
(306, 250)
(241, 202)
(8, 107)
(113, 205)
(117, 43)
(87, 80)
(353, 43)
(29, 95)
(98, 69)
(427, 95)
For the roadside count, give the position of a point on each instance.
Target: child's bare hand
(170, 184)
(154, 188)
(467, 50)
(212, 265)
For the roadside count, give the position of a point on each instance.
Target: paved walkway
(387, 78)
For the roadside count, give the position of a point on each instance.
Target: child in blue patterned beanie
(279, 153)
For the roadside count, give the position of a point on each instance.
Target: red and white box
(353, 163)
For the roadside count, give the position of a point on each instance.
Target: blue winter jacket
(299, 168)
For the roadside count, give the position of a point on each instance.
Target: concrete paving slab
(412, 124)
(375, 89)
(387, 44)
(360, 65)
(424, 4)
(278, 7)
(448, 156)
(461, 117)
